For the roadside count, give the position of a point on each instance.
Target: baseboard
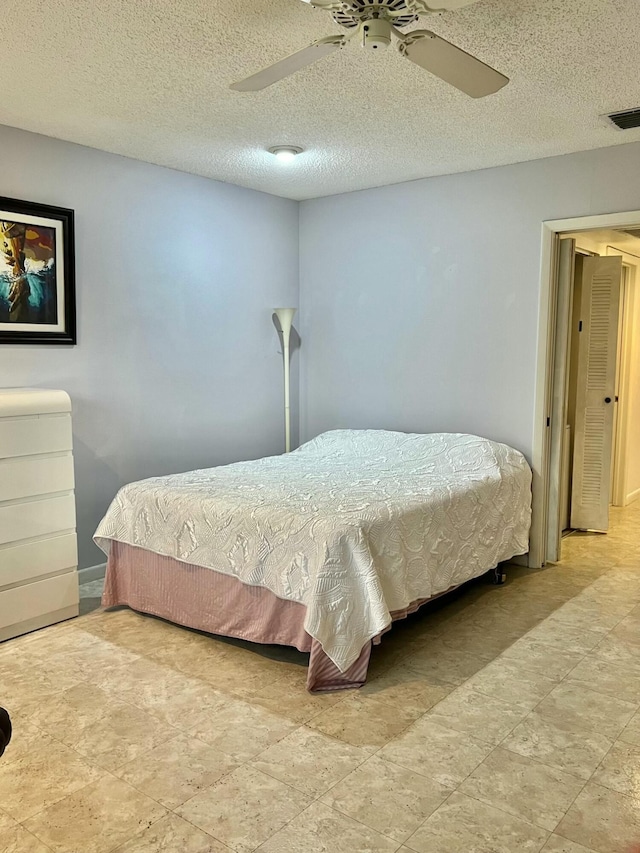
(520, 560)
(92, 573)
(633, 496)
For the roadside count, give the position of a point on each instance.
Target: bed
(322, 548)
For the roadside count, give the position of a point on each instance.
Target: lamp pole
(285, 318)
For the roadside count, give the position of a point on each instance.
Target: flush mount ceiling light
(285, 153)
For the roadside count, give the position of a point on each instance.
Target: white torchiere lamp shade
(285, 318)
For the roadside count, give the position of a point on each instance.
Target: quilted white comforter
(353, 524)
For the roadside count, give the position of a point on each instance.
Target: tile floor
(500, 719)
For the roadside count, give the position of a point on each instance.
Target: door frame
(546, 375)
(630, 266)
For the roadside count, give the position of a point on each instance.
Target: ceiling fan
(375, 23)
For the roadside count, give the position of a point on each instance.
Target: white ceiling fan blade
(329, 5)
(451, 64)
(290, 64)
(426, 6)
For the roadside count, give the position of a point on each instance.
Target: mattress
(354, 524)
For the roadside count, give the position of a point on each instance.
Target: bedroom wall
(177, 364)
(420, 300)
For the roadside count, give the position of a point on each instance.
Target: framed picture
(37, 274)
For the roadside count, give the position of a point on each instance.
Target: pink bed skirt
(220, 604)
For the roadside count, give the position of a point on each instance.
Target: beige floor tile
(365, 722)
(50, 772)
(105, 730)
(534, 656)
(391, 652)
(523, 787)
(309, 761)
(599, 601)
(95, 819)
(443, 754)
(586, 709)
(614, 597)
(620, 769)
(603, 820)
(134, 632)
(158, 681)
(28, 685)
(406, 687)
(463, 824)
(177, 770)
(183, 643)
(628, 629)
(390, 799)
(320, 829)
(557, 844)
(244, 809)
(565, 636)
(506, 680)
(15, 838)
(171, 834)
(171, 697)
(631, 732)
(241, 730)
(583, 615)
(25, 742)
(232, 670)
(619, 651)
(66, 637)
(604, 676)
(90, 658)
(557, 743)
(289, 698)
(475, 714)
(26, 644)
(484, 641)
(443, 665)
(604, 612)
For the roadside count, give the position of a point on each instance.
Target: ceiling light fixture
(285, 153)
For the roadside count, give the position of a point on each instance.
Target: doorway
(597, 459)
(589, 378)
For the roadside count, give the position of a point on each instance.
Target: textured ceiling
(149, 79)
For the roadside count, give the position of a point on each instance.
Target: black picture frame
(37, 273)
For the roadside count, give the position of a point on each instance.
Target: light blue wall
(418, 306)
(177, 364)
(420, 301)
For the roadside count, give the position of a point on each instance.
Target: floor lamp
(285, 318)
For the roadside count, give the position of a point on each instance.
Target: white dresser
(38, 550)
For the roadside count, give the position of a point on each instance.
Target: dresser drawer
(20, 563)
(28, 477)
(36, 518)
(26, 436)
(31, 602)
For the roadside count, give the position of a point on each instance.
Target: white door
(597, 362)
(557, 491)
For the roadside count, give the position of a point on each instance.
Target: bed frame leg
(498, 576)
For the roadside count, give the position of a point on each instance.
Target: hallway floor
(499, 719)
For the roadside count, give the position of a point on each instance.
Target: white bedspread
(353, 524)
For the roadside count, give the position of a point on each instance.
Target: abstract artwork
(37, 280)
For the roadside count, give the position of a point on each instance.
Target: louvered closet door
(595, 393)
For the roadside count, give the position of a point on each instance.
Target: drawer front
(37, 599)
(26, 477)
(21, 563)
(25, 436)
(36, 518)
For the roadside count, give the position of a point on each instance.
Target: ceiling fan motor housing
(354, 12)
(376, 34)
